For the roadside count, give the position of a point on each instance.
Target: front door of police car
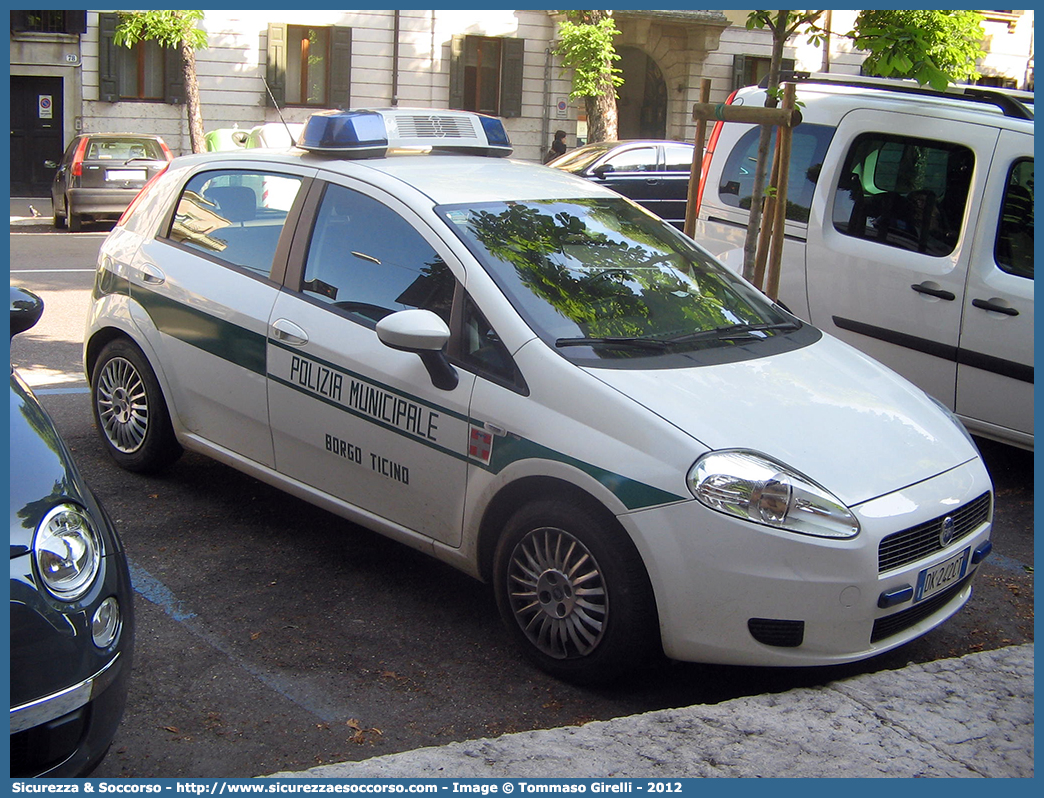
(350, 416)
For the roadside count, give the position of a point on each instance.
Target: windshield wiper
(730, 332)
(622, 342)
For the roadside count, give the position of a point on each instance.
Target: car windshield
(601, 279)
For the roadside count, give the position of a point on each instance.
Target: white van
(909, 233)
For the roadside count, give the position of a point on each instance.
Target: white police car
(533, 379)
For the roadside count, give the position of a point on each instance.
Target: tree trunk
(757, 198)
(602, 119)
(192, 104)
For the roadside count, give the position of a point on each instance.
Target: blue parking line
(60, 391)
(156, 592)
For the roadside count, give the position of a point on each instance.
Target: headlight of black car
(67, 552)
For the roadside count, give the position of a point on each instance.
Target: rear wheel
(129, 410)
(74, 220)
(574, 593)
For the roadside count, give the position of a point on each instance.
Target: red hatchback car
(101, 173)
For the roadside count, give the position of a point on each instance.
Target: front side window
(904, 192)
(808, 148)
(642, 159)
(235, 216)
(1014, 247)
(606, 284)
(366, 261)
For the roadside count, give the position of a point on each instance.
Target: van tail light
(712, 142)
(77, 161)
(166, 150)
(139, 196)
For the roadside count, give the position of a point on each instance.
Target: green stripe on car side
(247, 349)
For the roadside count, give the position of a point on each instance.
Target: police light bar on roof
(371, 133)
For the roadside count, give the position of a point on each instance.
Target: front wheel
(574, 593)
(129, 410)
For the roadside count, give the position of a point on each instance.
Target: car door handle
(931, 290)
(289, 333)
(152, 275)
(992, 304)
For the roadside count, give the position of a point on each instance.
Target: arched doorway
(643, 96)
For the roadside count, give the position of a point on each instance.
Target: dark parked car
(655, 174)
(101, 173)
(72, 624)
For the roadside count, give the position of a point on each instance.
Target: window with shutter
(750, 70)
(146, 71)
(309, 65)
(486, 75)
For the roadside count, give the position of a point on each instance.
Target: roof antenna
(272, 96)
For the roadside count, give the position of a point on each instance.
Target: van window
(808, 148)
(904, 192)
(1014, 247)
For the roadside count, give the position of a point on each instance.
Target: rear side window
(1014, 247)
(904, 192)
(235, 216)
(808, 149)
(677, 158)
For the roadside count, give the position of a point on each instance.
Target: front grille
(910, 545)
(772, 632)
(433, 126)
(900, 621)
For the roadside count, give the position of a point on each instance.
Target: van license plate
(939, 577)
(125, 174)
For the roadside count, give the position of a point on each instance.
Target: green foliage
(168, 28)
(933, 47)
(587, 49)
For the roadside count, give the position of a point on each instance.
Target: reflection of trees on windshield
(608, 269)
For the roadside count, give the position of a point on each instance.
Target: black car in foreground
(72, 623)
(653, 173)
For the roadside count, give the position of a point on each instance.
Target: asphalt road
(273, 636)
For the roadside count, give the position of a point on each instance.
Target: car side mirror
(603, 169)
(424, 333)
(26, 310)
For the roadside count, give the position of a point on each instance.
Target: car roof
(443, 177)
(835, 99)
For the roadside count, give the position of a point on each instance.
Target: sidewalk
(970, 717)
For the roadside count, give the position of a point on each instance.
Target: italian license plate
(939, 577)
(125, 174)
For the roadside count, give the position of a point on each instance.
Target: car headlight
(755, 488)
(67, 552)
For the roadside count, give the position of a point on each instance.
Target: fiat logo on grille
(947, 532)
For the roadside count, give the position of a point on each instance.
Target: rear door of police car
(206, 284)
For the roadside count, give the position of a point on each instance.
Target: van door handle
(289, 333)
(931, 290)
(991, 304)
(152, 275)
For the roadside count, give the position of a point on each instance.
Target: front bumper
(733, 592)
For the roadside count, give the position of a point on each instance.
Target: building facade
(67, 74)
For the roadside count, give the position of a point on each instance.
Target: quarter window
(367, 261)
(235, 217)
(1014, 247)
(904, 192)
